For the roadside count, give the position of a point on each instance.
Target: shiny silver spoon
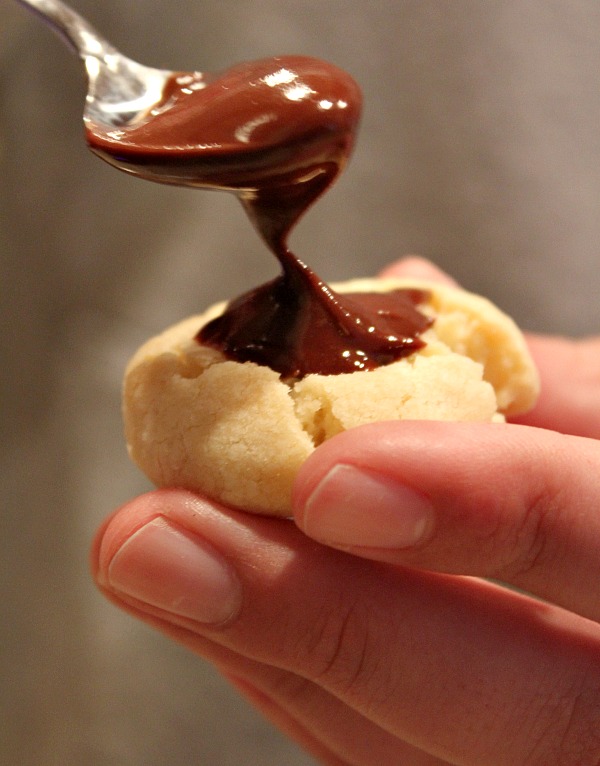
(120, 91)
(276, 131)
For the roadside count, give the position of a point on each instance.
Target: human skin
(355, 629)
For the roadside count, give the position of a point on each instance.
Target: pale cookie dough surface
(238, 433)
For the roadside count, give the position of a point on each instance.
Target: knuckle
(341, 650)
(571, 734)
(580, 742)
(533, 542)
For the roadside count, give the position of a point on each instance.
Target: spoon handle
(73, 28)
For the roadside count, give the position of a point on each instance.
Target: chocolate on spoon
(276, 132)
(279, 123)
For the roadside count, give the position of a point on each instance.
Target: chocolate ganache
(277, 132)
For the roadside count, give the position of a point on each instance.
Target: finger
(306, 736)
(570, 390)
(415, 267)
(364, 744)
(450, 665)
(288, 724)
(569, 369)
(318, 721)
(502, 501)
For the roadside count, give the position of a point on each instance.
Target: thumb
(508, 502)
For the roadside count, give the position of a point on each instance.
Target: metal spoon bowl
(120, 91)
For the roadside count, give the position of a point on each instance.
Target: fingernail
(165, 566)
(354, 507)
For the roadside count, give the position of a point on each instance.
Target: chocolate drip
(277, 132)
(301, 330)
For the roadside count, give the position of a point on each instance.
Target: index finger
(415, 267)
(570, 389)
(569, 369)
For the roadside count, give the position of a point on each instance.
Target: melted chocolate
(277, 132)
(297, 331)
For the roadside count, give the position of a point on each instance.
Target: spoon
(276, 131)
(120, 91)
(270, 116)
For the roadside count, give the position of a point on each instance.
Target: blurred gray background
(479, 149)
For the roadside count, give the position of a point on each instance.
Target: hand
(382, 652)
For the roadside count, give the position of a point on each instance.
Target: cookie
(238, 433)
